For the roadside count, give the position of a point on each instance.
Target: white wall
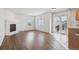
(2, 26)
(46, 26)
(10, 19)
(2, 30)
(24, 22)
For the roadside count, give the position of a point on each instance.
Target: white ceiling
(33, 11)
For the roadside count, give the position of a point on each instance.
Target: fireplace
(12, 27)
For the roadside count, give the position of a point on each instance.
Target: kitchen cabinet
(73, 38)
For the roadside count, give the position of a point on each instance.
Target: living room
(38, 28)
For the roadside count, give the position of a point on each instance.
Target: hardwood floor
(30, 40)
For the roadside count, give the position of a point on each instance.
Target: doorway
(60, 28)
(61, 24)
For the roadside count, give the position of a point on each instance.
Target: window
(63, 18)
(41, 21)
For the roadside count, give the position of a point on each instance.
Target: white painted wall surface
(2, 30)
(10, 18)
(2, 25)
(24, 22)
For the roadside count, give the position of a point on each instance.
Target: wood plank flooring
(30, 40)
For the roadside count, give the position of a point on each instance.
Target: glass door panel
(61, 24)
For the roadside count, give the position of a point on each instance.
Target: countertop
(75, 27)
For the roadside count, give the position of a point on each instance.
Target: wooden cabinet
(73, 38)
(77, 15)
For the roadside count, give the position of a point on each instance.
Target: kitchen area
(73, 30)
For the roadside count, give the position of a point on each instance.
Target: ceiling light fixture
(53, 8)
